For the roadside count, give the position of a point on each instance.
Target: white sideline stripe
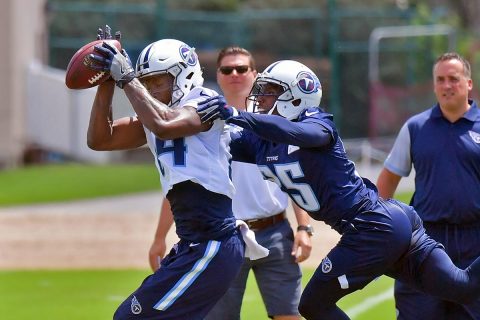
(369, 303)
(115, 298)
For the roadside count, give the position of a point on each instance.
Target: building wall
(23, 39)
(5, 69)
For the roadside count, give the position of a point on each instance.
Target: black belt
(262, 223)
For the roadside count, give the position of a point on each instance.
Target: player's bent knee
(306, 309)
(117, 316)
(121, 315)
(311, 307)
(306, 305)
(313, 311)
(318, 301)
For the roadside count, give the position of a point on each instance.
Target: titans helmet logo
(308, 82)
(135, 306)
(188, 55)
(475, 136)
(326, 265)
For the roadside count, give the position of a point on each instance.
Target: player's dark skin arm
(166, 123)
(106, 134)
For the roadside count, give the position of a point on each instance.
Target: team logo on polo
(475, 136)
(308, 82)
(135, 306)
(326, 265)
(188, 55)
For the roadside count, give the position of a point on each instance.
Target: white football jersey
(202, 158)
(255, 197)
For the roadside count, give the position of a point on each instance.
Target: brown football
(79, 74)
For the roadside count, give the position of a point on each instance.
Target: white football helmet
(173, 57)
(301, 88)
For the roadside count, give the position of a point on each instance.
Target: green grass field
(94, 294)
(53, 183)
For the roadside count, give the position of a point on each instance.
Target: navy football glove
(215, 108)
(117, 63)
(107, 34)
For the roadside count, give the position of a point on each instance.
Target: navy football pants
(387, 240)
(190, 280)
(462, 245)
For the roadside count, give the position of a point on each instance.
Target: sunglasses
(226, 70)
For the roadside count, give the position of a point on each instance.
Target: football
(79, 75)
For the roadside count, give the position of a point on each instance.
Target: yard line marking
(369, 303)
(115, 298)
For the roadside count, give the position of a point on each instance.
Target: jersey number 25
(301, 193)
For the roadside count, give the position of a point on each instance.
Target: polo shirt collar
(472, 114)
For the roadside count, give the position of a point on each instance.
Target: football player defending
(194, 172)
(297, 145)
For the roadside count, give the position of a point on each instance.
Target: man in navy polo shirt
(443, 144)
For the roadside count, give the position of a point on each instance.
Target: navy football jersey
(318, 177)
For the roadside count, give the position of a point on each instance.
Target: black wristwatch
(308, 228)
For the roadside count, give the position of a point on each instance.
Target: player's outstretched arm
(280, 130)
(270, 127)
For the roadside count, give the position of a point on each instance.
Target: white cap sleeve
(399, 161)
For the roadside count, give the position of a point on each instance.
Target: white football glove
(117, 63)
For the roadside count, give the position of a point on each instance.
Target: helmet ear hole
(296, 102)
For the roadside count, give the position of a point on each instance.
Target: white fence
(369, 157)
(57, 117)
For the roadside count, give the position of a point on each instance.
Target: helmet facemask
(177, 92)
(267, 87)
